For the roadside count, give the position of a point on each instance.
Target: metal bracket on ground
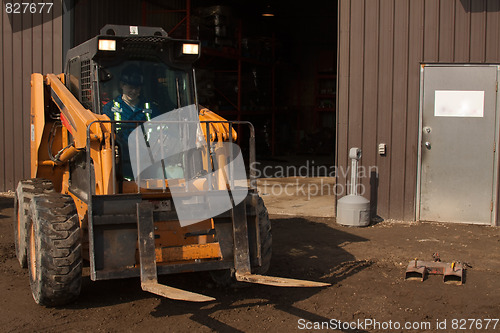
(452, 272)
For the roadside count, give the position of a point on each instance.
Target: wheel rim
(32, 252)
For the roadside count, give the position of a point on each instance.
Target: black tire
(223, 278)
(266, 238)
(226, 278)
(25, 191)
(55, 250)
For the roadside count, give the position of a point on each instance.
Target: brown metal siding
(344, 23)
(90, 16)
(399, 107)
(370, 91)
(381, 46)
(415, 53)
(492, 29)
(27, 45)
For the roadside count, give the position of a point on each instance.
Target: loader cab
(94, 69)
(163, 77)
(159, 85)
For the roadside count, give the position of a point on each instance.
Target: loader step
(278, 281)
(174, 293)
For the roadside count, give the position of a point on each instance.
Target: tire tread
(25, 191)
(57, 231)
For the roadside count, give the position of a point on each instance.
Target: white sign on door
(455, 103)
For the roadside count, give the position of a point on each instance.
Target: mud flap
(149, 275)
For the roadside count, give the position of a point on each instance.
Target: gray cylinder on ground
(353, 210)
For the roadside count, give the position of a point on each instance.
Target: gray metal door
(458, 133)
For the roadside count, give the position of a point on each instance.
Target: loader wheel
(55, 250)
(223, 278)
(25, 191)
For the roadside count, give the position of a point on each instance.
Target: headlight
(107, 45)
(190, 48)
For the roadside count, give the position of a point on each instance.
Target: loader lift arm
(77, 120)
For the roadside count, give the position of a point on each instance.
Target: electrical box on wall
(382, 149)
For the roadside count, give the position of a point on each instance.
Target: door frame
(494, 197)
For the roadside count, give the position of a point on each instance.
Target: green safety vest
(117, 110)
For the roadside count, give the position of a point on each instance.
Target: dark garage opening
(279, 72)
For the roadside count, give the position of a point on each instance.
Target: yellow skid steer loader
(136, 190)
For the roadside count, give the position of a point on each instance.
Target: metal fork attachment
(147, 257)
(149, 276)
(242, 257)
(452, 272)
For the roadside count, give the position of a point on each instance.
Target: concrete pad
(299, 196)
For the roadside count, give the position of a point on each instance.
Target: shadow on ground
(5, 202)
(301, 249)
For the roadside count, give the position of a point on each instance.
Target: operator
(130, 105)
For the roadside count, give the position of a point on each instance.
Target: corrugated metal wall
(29, 43)
(90, 16)
(381, 46)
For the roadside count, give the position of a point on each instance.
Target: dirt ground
(364, 265)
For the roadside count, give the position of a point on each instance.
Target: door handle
(428, 145)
